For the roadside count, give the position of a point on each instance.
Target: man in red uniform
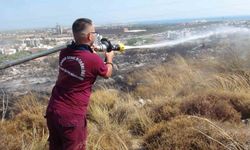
(78, 69)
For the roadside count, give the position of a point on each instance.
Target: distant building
(1, 51)
(59, 29)
(126, 30)
(172, 35)
(200, 21)
(10, 51)
(32, 42)
(21, 47)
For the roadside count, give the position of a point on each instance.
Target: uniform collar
(75, 46)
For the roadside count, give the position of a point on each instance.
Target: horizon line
(152, 21)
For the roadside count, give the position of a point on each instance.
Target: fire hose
(103, 45)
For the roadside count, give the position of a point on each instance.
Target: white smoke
(218, 31)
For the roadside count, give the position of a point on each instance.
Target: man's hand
(109, 56)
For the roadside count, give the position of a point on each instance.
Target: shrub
(27, 130)
(211, 105)
(164, 110)
(186, 132)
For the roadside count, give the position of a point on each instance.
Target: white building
(1, 51)
(172, 35)
(32, 42)
(126, 30)
(10, 51)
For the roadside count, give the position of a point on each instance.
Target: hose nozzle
(105, 45)
(119, 47)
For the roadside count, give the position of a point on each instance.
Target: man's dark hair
(81, 24)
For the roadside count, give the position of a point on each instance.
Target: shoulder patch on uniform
(79, 61)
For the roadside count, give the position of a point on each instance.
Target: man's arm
(109, 63)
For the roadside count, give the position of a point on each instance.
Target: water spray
(218, 31)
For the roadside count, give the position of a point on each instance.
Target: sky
(21, 14)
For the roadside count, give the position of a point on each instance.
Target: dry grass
(109, 138)
(163, 80)
(27, 130)
(106, 115)
(211, 105)
(188, 132)
(164, 109)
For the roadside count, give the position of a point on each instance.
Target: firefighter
(79, 67)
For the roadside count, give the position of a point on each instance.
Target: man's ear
(89, 37)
